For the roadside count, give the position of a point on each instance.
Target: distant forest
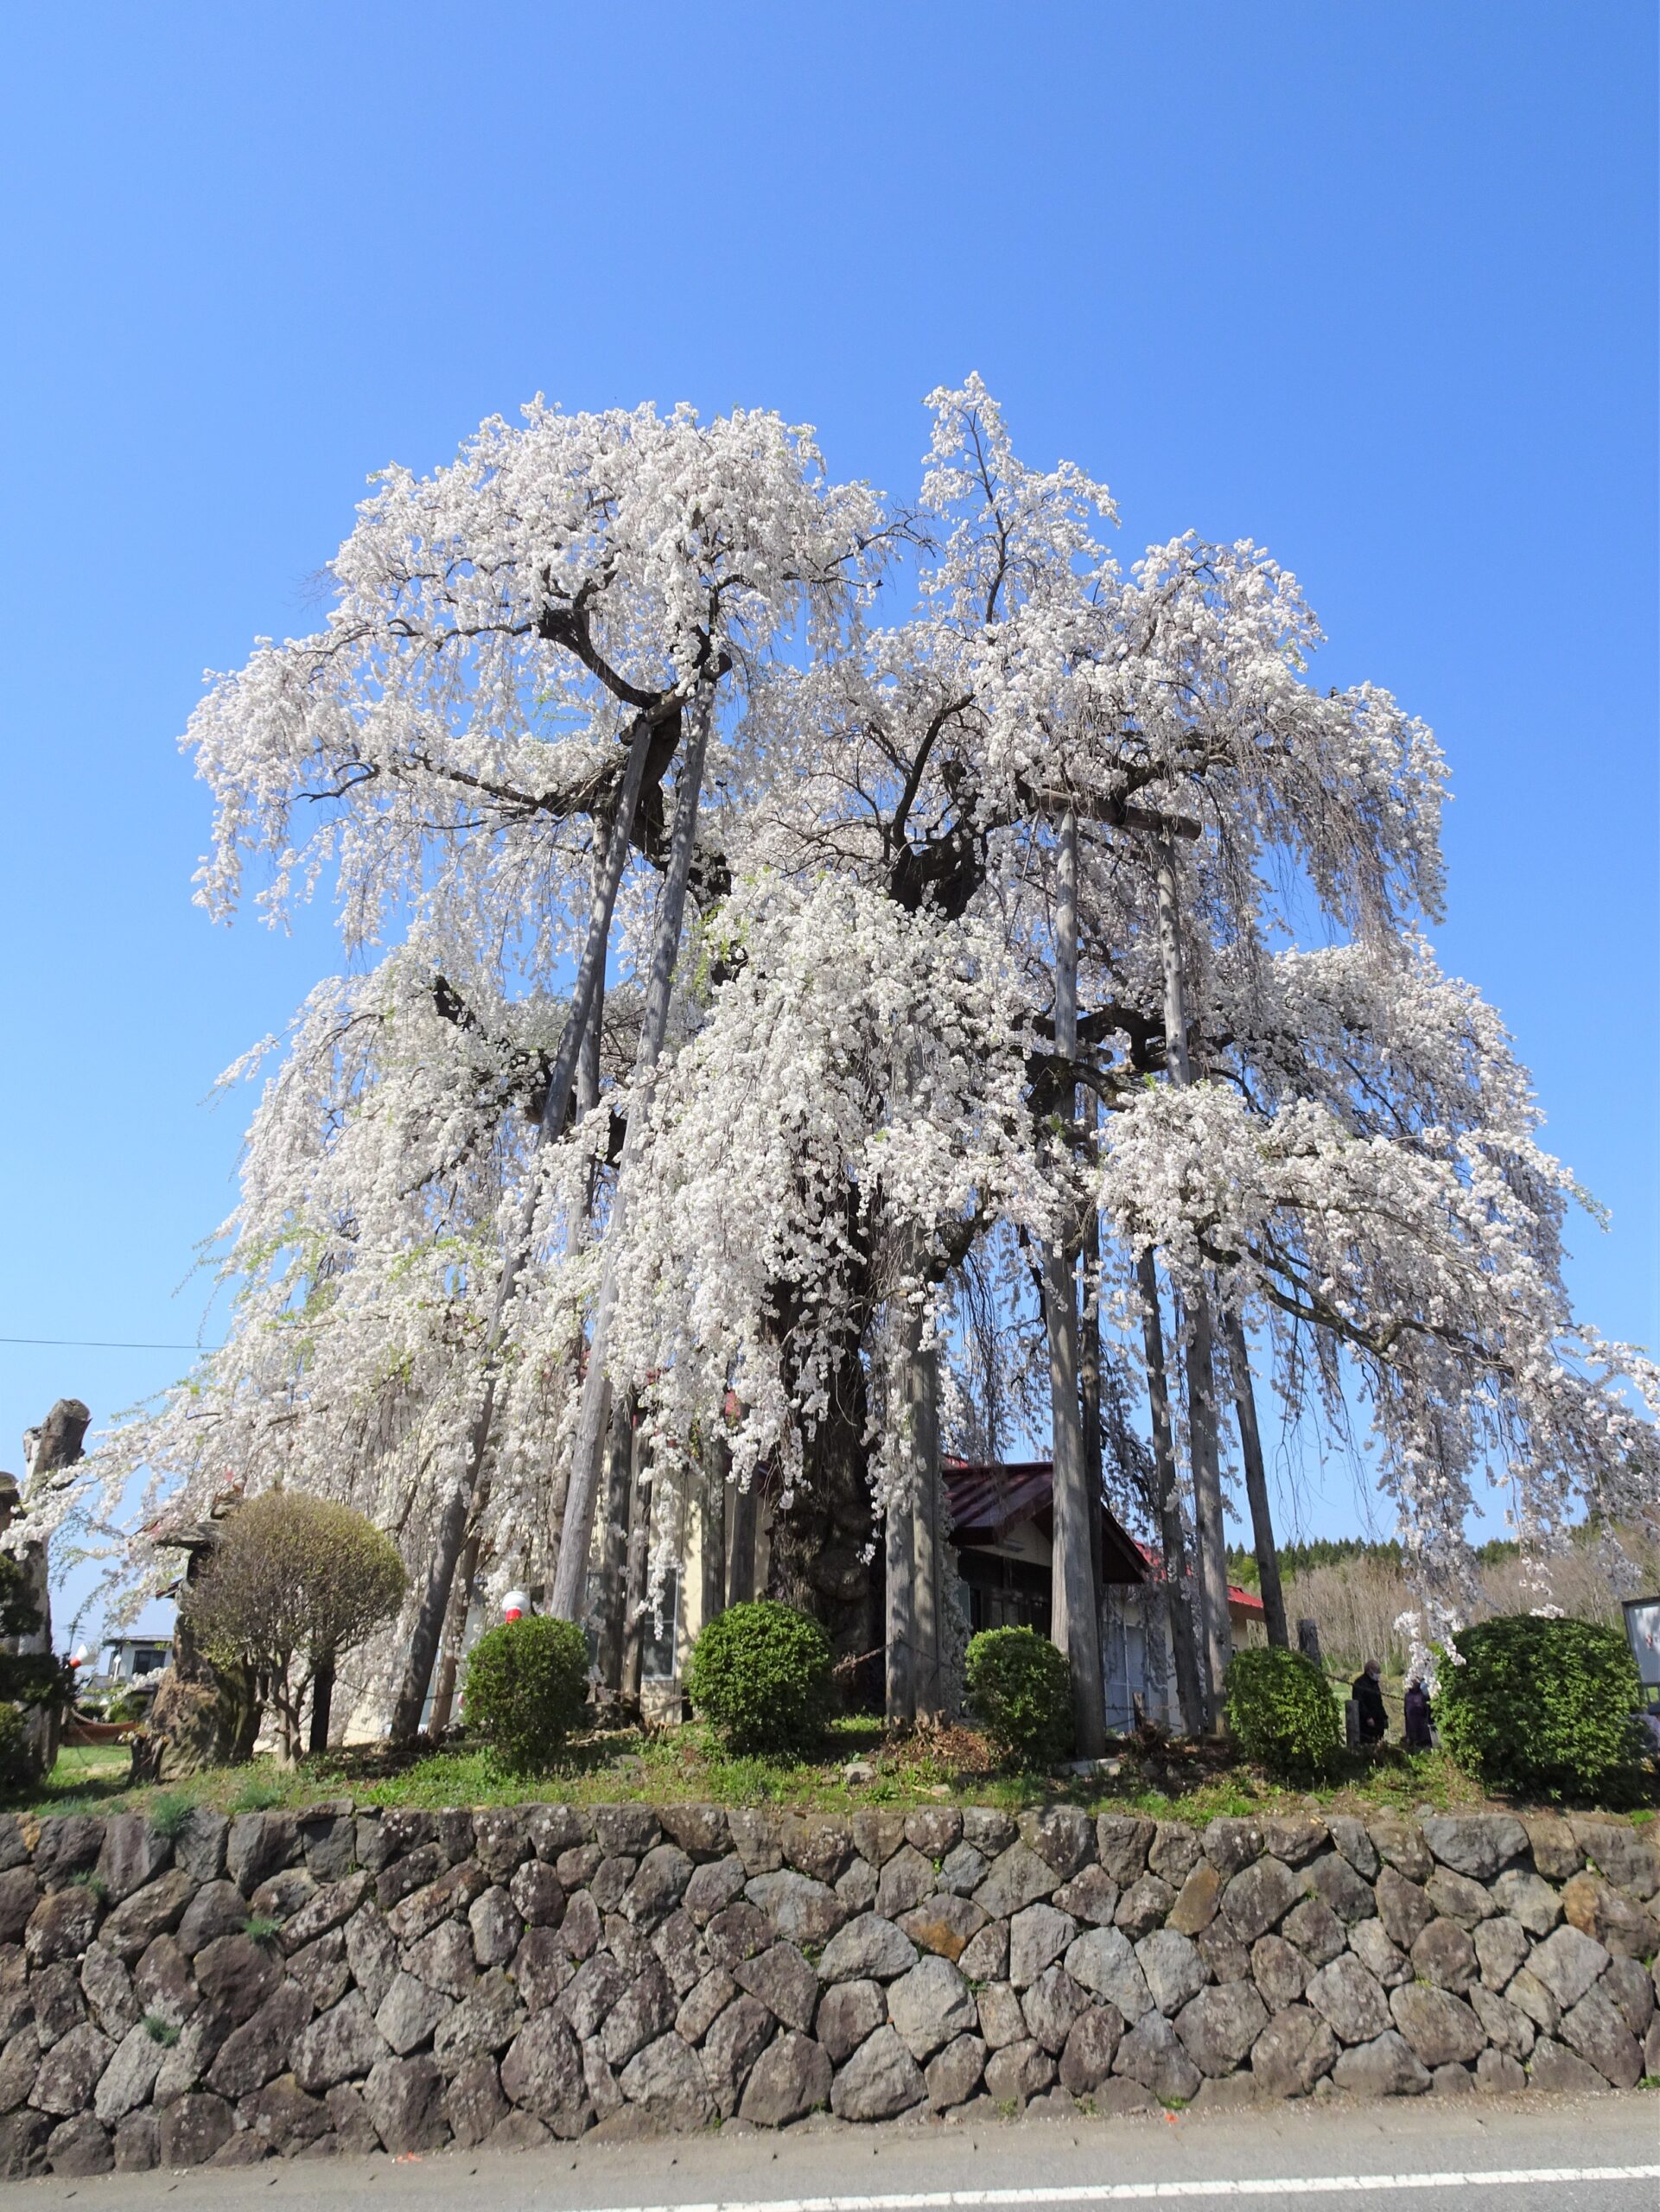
(1357, 1592)
(1332, 1551)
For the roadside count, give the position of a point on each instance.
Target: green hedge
(1546, 1707)
(1282, 1713)
(760, 1674)
(526, 1685)
(1021, 1689)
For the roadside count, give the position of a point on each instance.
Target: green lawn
(686, 1765)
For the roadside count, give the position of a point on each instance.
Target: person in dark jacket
(1417, 1716)
(1368, 1695)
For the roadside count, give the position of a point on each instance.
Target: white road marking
(1144, 2192)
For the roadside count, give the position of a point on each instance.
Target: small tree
(294, 1578)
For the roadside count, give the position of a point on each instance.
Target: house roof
(988, 1501)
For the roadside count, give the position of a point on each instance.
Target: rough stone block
(1218, 2026)
(1037, 1935)
(1349, 2000)
(1151, 2054)
(785, 1983)
(1259, 1897)
(1295, 2051)
(1279, 1971)
(1441, 2028)
(1556, 2068)
(1121, 1843)
(1103, 1961)
(1477, 1844)
(1172, 1968)
(867, 1949)
(1017, 1877)
(1019, 2072)
(1616, 1922)
(954, 2075)
(790, 2079)
(193, 2127)
(667, 2079)
(1091, 2047)
(1051, 2007)
(847, 2014)
(1444, 1955)
(1387, 2067)
(543, 2074)
(133, 1853)
(79, 2146)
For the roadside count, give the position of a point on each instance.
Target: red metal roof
(1245, 1600)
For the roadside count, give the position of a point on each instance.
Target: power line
(104, 1344)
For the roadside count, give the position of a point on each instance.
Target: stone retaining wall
(332, 1981)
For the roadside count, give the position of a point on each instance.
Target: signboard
(1643, 1632)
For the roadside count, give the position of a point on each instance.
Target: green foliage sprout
(170, 1814)
(1548, 1706)
(526, 1685)
(256, 1796)
(760, 1674)
(1282, 1713)
(1021, 1689)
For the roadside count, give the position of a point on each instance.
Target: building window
(1005, 1593)
(657, 1648)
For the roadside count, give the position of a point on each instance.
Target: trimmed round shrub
(760, 1674)
(526, 1685)
(1020, 1687)
(1281, 1712)
(1546, 1707)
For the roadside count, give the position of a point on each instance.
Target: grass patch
(259, 1794)
(1190, 1781)
(168, 1813)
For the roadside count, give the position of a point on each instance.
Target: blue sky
(1371, 284)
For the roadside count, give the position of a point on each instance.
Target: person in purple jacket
(1417, 1716)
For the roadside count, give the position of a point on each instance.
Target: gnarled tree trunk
(462, 1500)
(576, 1533)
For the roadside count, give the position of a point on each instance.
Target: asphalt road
(1419, 2155)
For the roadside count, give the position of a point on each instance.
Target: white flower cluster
(861, 1118)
